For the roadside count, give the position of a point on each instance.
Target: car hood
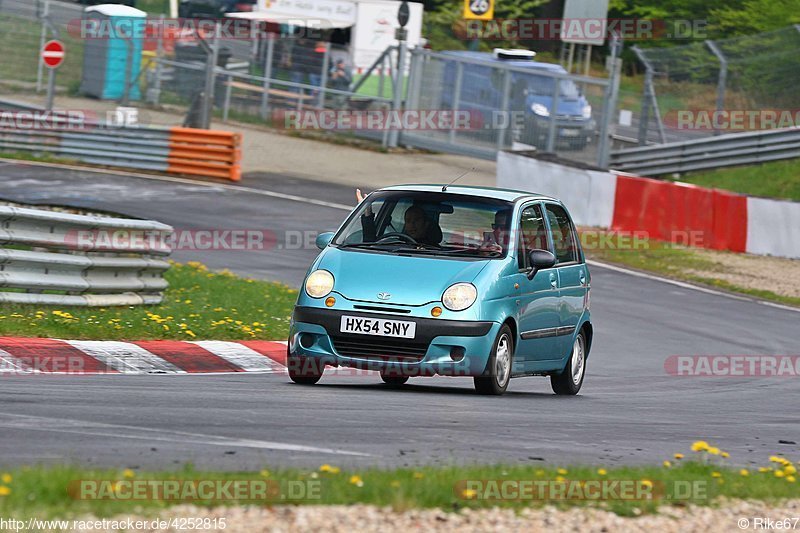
(409, 280)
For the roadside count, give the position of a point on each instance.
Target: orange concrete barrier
(211, 153)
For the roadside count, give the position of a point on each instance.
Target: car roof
(524, 63)
(509, 195)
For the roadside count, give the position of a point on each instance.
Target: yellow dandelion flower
(716, 474)
(418, 475)
(128, 473)
(469, 493)
(725, 454)
(602, 471)
(6, 479)
(790, 479)
(562, 471)
(678, 456)
(647, 483)
(779, 473)
(560, 479)
(713, 450)
(744, 472)
(764, 469)
(325, 468)
(4, 491)
(699, 446)
(790, 469)
(357, 481)
(667, 464)
(264, 473)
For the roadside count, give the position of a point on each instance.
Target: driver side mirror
(540, 260)
(324, 239)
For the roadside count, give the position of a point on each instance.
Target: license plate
(378, 326)
(570, 133)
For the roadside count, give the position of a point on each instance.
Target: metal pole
(42, 40)
(456, 98)
(380, 76)
(722, 79)
(397, 100)
(570, 57)
(501, 135)
(228, 89)
(612, 93)
(267, 75)
(126, 91)
(156, 96)
(551, 129)
(323, 79)
(51, 88)
(208, 93)
(644, 116)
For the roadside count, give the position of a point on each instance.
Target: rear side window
(532, 234)
(566, 247)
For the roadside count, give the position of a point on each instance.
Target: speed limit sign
(479, 9)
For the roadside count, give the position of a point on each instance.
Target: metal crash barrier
(53, 258)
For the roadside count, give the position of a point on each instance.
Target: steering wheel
(402, 236)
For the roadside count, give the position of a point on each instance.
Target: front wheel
(497, 374)
(569, 381)
(304, 370)
(393, 380)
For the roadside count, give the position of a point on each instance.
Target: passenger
(497, 240)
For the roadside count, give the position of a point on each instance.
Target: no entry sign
(53, 54)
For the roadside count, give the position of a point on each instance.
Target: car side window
(563, 233)
(532, 234)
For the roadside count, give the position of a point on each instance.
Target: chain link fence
(712, 87)
(260, 77)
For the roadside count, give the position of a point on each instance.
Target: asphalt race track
(629, 411)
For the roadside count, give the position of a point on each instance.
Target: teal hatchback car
(423, 280)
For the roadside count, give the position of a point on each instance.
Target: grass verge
(777, 179)
(674, 261)
(198, 304)
(67, 491)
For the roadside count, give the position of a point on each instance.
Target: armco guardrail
(80, 260)
(715, 152)
(188, 151)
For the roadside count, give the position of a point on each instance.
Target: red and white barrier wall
(675, 212)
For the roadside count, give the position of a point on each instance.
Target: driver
(417, 224)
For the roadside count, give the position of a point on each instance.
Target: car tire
(394, 380)
(303, 370)
(497, 374)
(569, 381)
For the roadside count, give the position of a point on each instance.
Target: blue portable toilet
(113, 35)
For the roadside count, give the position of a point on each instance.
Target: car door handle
(583, 278)
(553, 281)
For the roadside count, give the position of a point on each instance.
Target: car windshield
(429, 223)
(543, 85)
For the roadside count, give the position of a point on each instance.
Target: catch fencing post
(551, 128)
(42, 40)
(208, 94)
(267, 75)
(723, 77)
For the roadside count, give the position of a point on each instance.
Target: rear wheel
(304, 370)
(569, 381)
(497, 374)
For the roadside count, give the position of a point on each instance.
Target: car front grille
(380, 349)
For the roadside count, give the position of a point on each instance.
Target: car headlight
(586, 112)
(540, 109)
(459, 296)
(319, 283)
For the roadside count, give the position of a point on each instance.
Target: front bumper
(314, 333)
